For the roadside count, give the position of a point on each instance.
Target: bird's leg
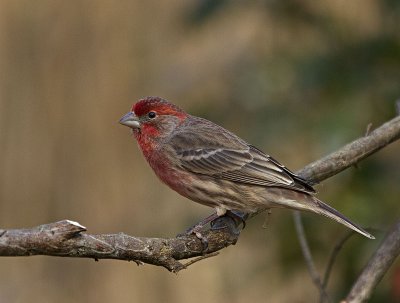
(195, 229)
(237, 216)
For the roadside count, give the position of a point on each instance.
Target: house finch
(210, 165)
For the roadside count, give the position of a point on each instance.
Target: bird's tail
(303, 201)
(325, 210)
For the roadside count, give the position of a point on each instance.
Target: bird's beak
(130, 120)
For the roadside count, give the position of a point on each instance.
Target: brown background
(298, 79)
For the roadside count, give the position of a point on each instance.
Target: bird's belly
(210, 190)
(219, 193)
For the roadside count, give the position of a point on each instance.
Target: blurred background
(297, 78)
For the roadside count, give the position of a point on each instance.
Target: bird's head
(153, 118)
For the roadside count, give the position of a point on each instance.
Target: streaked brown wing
(223, 155)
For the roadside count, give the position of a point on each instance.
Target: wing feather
(223, 155)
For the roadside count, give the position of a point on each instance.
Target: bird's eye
(151, 115)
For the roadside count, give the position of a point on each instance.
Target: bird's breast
(169, 172)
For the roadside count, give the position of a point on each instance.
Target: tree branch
(377, 266)
(308, 258)
(332, 164)
(68, 239)
(352, 153)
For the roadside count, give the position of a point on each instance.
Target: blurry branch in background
(398, 107)
(68, 238)
(379, 263)
(334, 163)
(308, 257)
(376, 268)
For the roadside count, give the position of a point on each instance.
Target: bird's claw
(204, 241)
(191, 230)
(225, 222)
(238, 218)
(196, 230)
(199, 226)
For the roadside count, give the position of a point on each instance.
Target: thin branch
(377, 266)
(308, 258)
(352, 153)
(336, 250)
(333, 164)
(195, 260)
(68, 239)
(332, 258)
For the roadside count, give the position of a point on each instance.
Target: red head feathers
(157, 104)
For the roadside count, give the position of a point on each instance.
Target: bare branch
(352, 153)
(195, 260)
(340, 159)
(334, 163)
(336, 250)
(308, 258)
(376, 267)
(332, 258)
(68, 239)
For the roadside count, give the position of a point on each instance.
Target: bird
(210, 165)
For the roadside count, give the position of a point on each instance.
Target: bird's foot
(199, 226)
(217, 222)
(238, 218)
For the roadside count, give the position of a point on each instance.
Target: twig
(335, 252)
(352, 153)
(337, 161)
(376, 267)
(332, 258)
(191, 262)
(368, 130)
(308, 257)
